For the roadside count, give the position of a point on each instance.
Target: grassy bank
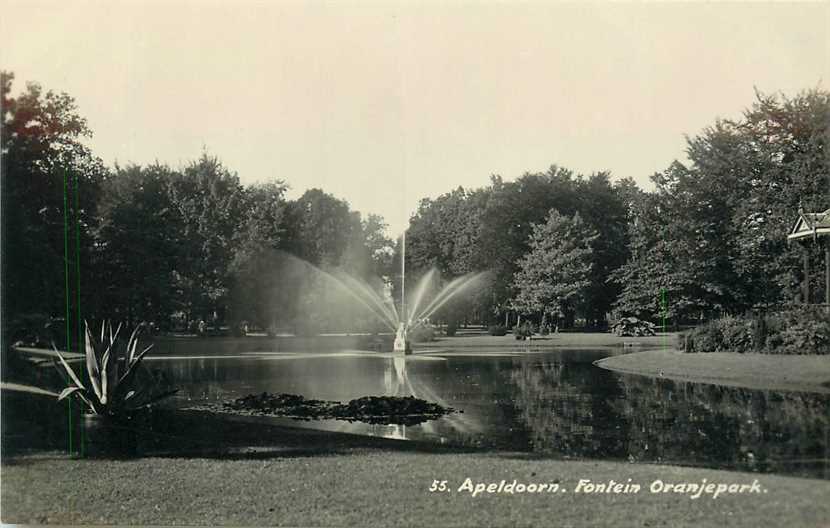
(756, 371)
(386, 484)
(562, 339)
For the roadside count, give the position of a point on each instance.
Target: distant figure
(202, 326)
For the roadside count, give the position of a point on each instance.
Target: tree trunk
(827, 273)
(806, 275)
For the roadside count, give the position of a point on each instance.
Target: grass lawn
(757, 371)
(562, 339)
(384, 485)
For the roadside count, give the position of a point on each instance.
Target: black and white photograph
(414, 263)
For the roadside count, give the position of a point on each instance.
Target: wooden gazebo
(809, 227)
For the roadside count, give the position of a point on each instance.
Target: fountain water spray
(401, 344)
(383, 307)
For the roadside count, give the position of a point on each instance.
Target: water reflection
(752, 430)
(572, 411)
(553, 404)
(395, 379)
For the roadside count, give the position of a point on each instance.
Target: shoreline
(753, 371)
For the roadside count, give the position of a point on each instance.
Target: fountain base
(401, 345)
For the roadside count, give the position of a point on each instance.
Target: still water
(552, 403)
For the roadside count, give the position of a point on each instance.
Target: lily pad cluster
(369, 409)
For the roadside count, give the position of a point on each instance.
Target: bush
(633, 327)
(736, 334)
(705, 338)
(524, 331)
(804, 332)
(421, 334)
(452, 328)
(793, 331)
(726, 334)
(497, 330)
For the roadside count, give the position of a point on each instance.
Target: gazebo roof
(810, 224)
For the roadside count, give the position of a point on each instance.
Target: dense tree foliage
(138, 244)
(554, 276)
(50, 187)
(154, 243)
(182, 245)
(490, 229)
(712, 237)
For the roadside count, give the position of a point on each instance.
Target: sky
(385, 103)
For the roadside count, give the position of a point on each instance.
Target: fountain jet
(383, 307)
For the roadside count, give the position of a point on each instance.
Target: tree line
(158, 244)
(711, 238)
(154, 243)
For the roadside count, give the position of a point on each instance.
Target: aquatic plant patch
(384, 410)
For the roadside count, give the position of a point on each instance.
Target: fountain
(401, 345)
(416, 318)
(382, 307)
(411, 316)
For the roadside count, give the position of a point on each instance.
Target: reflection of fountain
(398, 383)
(396, 380)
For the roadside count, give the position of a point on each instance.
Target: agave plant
(114, 388)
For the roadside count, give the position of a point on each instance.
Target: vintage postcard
(415, 263)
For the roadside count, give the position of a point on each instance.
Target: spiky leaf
(68, 392)
(92, 363)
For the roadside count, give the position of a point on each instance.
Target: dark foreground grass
(383, 487)
(755, 371)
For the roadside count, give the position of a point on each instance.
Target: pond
(552, 403)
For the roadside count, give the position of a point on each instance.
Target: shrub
(421, 334)
(524, 331)
(792, 331)
(497, 330)
(705, 338)
(736, 334)
(633, 327)
(452, 328)
(806, 332)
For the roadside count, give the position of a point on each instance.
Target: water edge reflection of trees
(571, 412)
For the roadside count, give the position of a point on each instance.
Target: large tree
(50, 184)
(256, 288)
(603, 207)
(138, 245)
(508, 218)
(320, 227)
(210, 203)
(712, 237)
(554, 276)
